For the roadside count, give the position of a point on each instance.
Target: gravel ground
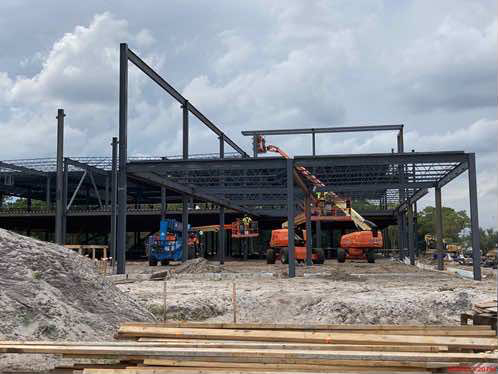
(355, 292)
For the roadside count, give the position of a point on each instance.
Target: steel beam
(189, 190)
(461, 168)
(123, 158)
(474, 217)
(400, 235)
(323, 130)
(64, 200)
(114, 198)
(83, 166)
(22, 169)
(59, 199)
(313, 142)
(221, 234)
(138, 62)
(439, 230)
(375, 186)
(290, 218)
(413, 199)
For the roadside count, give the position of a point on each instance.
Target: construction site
(238, 261)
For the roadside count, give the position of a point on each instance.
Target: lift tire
(270, 256)
(284, 255)
(320, 257)
(371, 256)
(152, 262)
(164, 262)
(341, 255)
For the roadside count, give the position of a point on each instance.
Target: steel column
(114, 196)
(400, 235)
(411, 247)
(163, 202)
(107, 195)
(254, 146)
(309, 237)
(474, 218)
(221, 233)
(184, 228)
(185, 130)
(439, 229)
(123, 158)
(318, 234)
(59, 207)
(313, 142)
(65, 190)
(222, 146)
(290, 218)
(47, 193)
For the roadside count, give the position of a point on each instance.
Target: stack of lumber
(269, 348)
(484, 313)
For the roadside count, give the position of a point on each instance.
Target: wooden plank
(308, 337)
(383, 365)
(271, 345)
(207, 370)
(321, 356)
(318, 327)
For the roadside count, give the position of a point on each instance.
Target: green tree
(489, 239)
(454, 222)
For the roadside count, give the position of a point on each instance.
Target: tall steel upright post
(290, 218)
(47, 193)
(309, 237)
(222, 146)
(400, 235)
(123, 158)
(59, 207)
(221, 233)
(185, 132)
(411, 247)
(65, 192)
(114, 196)
(254, 146)
(313, 142)
(163, 202)
(318, 234)
(184, 227)
(474, 217)
(439, 230)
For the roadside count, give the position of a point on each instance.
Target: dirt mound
(49, 292)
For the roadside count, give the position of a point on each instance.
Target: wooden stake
(164, 299)
(234, 302)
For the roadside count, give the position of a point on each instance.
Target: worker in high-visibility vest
(247, 223)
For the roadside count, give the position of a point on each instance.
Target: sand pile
(49, 292)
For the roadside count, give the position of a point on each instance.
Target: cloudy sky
(256, 64)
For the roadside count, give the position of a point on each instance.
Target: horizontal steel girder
(22, 169)
(189, 190)
(322, 130)
(412, 199)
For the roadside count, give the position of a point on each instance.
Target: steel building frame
(234, 182)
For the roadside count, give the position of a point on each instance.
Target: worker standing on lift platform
(247, 223)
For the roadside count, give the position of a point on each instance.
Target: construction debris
(251, 348)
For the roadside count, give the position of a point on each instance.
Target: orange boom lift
(361, 244)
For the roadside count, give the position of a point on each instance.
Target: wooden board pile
(268, 348)
(484, 313)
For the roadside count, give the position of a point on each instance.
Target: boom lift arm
(339, 202)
